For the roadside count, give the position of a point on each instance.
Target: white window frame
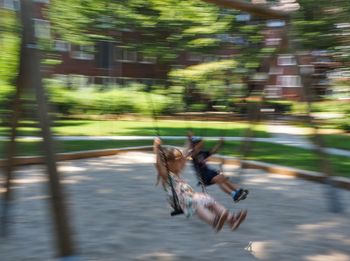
(273, 41)
(275, 23)
(273, 91)
(148, 59)
(42, 1)
(61, 46)
(243, 17)
(286, 60)
(84, 52)
(42, 28)
(12, 5)
(288, 81)
(306, 69)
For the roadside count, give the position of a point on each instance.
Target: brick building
(280, 76)
(108, 62)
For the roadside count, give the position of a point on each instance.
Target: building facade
(113, 63)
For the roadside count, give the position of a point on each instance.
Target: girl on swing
(169, 163)
(208, 176)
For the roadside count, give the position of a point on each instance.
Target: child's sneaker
(241, 194)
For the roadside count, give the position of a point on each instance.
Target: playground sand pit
(117, 213)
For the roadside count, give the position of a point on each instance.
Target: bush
(5, 93)
(345, 126)
(110, 101)
(197, 107)
(279, 107)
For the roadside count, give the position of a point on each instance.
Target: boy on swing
(208, 176)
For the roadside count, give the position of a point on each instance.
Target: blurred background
(103, 63)
(117, 73)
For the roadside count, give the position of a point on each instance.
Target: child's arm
(217, 146)
(161, 169)
(188, 148)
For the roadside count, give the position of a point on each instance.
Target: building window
(148, 59)
(272, 41)
(82, 52)
(259, 76)
(273, 92)
(42, 29)
(289, 81)
(286, 60)
(275, 23)
(42, 1)
(61, 46)
(125, 55)
(243, 17)
(104, 54)
(10, 4)
(306, 69)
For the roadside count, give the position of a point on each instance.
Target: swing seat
(176, 212)
(205, 185)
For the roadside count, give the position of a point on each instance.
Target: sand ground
(118, 214)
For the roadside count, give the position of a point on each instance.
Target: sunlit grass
(340, 141)
(142, 127)
(289, 156)
(264, 152)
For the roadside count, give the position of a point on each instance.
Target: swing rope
(176, 205)
(222, 162)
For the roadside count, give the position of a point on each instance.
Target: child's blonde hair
(171, 160)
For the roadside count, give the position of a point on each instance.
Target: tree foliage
(166, 27)
(323, 25)
(9, 46)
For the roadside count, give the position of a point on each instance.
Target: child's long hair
(167, 157)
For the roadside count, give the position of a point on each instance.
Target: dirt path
(118, 214)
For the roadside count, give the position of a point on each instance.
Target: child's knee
(219, 179)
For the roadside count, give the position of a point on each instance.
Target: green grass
(289, 156)
(32, 148)
(339, 141)
(141, 127)
(265, 152)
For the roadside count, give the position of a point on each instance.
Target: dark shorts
(208, 175)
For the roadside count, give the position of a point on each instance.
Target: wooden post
(31, 70)
(11, 152)
(264, 12)
(319, 146)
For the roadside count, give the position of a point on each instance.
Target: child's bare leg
(217, 208)
(205, 214)
(214, 214)
(220, 180)
(230, 188)
(231, 185)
